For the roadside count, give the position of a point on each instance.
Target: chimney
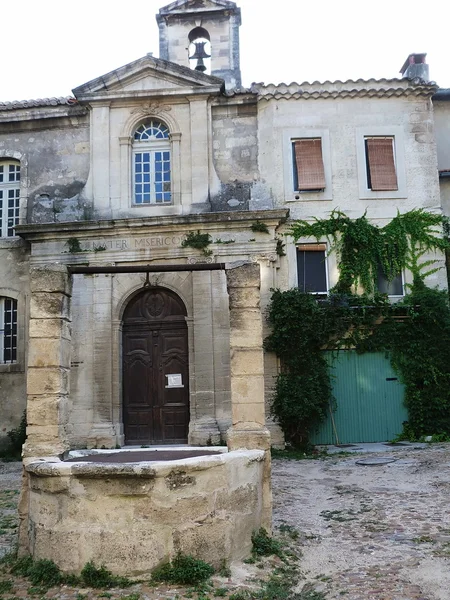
(415, 66)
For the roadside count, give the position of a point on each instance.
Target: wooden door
(369, 397)
(155, 369)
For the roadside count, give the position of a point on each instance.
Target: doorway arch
(155, 369)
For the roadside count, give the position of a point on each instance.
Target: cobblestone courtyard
(365, 532)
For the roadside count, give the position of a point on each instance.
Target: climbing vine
(415, 332)
(362, 247)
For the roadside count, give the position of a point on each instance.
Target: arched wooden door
(155, 369)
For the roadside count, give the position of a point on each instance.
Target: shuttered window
(380, 164)
(309, 172)
(311, 268)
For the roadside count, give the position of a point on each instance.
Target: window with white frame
(8, 330)
(9, 197)
(312, 268)
(152, 171)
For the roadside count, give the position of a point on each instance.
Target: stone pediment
(193, 6)
(147, 74)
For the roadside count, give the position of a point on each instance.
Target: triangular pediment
(147, 74)
(189, 6)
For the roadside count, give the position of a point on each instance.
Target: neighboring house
(441, 104)
(140, 157)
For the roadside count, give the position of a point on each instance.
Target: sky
(50, 47)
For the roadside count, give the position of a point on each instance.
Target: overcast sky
(52, 46)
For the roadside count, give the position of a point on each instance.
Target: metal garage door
(369, 400)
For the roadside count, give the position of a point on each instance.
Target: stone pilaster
(48, 361)
(248, 429)
(203, 428)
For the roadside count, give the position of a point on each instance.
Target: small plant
(6, 586)
(43, 573)
(280, 247)
(290, 531)
(100, 248)
(21, 566)
(134, 596)
(101, 577)
(221, 592)
(224, 570)
(17, 437)
(199, 241)
(183, 570)
(259, 226)
(73, 244)
(264, 545)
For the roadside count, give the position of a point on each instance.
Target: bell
(200, 54)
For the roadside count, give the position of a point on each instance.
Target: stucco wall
(442, 129)
(342, 124)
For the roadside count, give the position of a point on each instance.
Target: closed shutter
(381, 164)
(309, 164)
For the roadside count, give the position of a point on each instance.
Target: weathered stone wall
(235, 154)
(14, 265)
(133, 517)
(54, 156)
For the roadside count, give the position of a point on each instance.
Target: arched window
(8, 330)
(9, 196)
(152, 164)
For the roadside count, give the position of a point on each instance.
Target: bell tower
(203, 35)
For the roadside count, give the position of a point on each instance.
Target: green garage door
(369, 400)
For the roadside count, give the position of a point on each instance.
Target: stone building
(169, 162)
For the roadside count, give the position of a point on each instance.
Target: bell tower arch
(203, 35)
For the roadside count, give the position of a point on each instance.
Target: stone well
(133, 516)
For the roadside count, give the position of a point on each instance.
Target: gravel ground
(365, 532)
(370, 532)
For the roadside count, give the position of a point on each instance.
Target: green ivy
(362, 246)
(199, 241)
(415, 332)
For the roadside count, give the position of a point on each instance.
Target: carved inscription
(124, 244)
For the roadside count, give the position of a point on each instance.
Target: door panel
(154, 346)
(369, 398)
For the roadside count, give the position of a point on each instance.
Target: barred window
(8, 330)
(9, 197)
(152, 164)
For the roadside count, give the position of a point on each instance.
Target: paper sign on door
(174, 381)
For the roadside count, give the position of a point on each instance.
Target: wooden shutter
(309, 163)
(381, 164)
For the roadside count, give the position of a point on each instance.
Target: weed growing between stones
(101, 577)
(183, 570)
(264, 545)
(6, 586)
